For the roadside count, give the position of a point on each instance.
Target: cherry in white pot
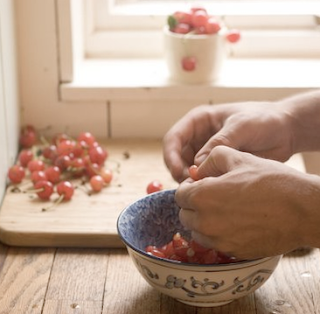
(196, 45)
(193, 58)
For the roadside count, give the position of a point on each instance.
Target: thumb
(224, 137)
(221, 160)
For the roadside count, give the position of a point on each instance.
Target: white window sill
(125, 80)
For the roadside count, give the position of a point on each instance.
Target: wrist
(308, 199)
(301, 115)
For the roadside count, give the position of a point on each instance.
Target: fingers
(174, 143)
(204, 240)
(220, 160)
(184, 140)
(174, 162)
(187, 218)
(224, 137)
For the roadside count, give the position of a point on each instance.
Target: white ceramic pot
(208, 51)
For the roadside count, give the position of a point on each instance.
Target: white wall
(9, 104)
(39, 75)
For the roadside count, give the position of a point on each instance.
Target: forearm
(308, 200)
(303, 115)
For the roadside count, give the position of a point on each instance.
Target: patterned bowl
(153, 220)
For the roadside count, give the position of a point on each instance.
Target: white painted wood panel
(3, 132)
(40, 78)
(9, 106)
(147, 119)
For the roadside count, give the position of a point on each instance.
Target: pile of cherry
(52, 166)
(181, 250)
(198, 21)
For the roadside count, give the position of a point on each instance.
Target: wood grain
(126, 292)
(24, 278)
(77, 282)
(293, 287)
(104, 281)
(86, 221)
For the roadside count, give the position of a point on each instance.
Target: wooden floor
(101, 281)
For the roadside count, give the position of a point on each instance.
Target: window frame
(125, 31)
(131, 80)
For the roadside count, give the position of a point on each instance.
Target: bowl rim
(174, 262)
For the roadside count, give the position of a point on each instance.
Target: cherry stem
(17, 187)
(84, 187)
(34, 190)
(43, 140)
(56, 203)
(117, 163)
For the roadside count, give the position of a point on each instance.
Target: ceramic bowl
(153, 220)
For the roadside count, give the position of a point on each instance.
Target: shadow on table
(300, 252)
(152, 302)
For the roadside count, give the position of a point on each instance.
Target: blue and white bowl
(153, 220)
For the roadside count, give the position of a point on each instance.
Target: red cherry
(98, 155)
(233, 36)
(193, 172)
(38, 175)
(106, 174)
(86, 137)
(152, 250)
(212, 26)
(65, 148)
(28, 136)
(35, 165)
(25, 156)
(189, 63)
(199, 18)
(63, 162)
(92, 169)
(16, 174)
(44, 189)
(53, 174)
(65, 189)
(182, 28)
(154, 186)
(50, 152)
(97, 183)
(183, 17)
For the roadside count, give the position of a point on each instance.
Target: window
(132, 28)
(112, 50)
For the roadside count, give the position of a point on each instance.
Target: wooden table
(101, 281)
(46, 278)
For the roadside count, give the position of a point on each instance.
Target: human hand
(245, 206)
(259, 128)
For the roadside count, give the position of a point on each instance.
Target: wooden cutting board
(86, 221)
(89, 221)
